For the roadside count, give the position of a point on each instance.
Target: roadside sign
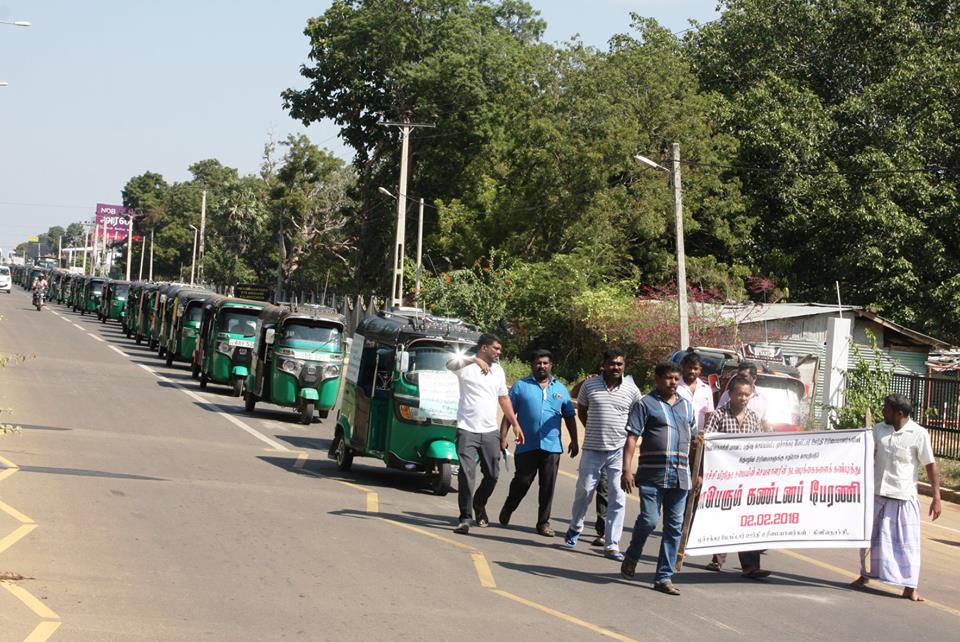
(252, 291)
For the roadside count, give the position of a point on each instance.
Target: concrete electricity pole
(129, 242)
(203, 225)
(396, 289)
(151, 256)
(681, 254)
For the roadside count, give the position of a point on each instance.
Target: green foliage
(868, 382)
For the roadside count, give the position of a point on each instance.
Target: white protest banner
(439, 394)
(784, 490)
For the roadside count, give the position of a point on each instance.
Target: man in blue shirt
(539, 401)
(666, 423)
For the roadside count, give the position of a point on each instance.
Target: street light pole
(193, 258)
(419, 251)
(150, 278)
(681, 254)
(203, 225)
(143, 247)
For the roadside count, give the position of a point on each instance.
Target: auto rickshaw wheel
(83, 312)
(343, 455)
(307, 410)
(323, 413)
(249, 402)
(103, 319)
(440, 480)
(237, 386)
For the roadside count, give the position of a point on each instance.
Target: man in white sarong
(901, 446)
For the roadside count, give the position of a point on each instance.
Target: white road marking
(118, 351)
(96, 337)
(65, 319)
(77, 326)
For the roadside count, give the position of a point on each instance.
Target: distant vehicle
(5, 279)
(786, 395)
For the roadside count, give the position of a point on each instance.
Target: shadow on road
(307, 443)
(80, 472)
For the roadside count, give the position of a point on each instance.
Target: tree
(846, 113)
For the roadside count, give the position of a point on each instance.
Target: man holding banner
(901, 447)
(736, 417)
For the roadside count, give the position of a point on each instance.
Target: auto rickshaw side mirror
(270, 336)
(403, 361)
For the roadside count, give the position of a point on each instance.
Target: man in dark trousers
(539, 401)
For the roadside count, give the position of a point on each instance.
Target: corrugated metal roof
(774, 311)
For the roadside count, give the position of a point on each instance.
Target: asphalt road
(137, 507)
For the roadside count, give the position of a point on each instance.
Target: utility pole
(281, 256)
(396, 289)
(151, 256)
(419, 251)
(86, 243)
(143, 246)
(129, 242)
(681, 255)
(60, 251)
(193, 256)
(203, 225)
(104, 265)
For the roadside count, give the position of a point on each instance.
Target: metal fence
(936, 404)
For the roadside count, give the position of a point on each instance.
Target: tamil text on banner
(796, 490)
(114, 217)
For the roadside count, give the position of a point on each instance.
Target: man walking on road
(539, 402)
(603, 406)
(736, 417)
(901, 446)
(483, 385)
(666, 423)
(757, 403)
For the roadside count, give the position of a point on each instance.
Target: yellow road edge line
(16, 536)
(14, 513)
(630, 497)
(423, 531)
(484, 574)
(362, 489)
(6, 472)
(875, 584)
(373, 502)
(43, 632)
(564, 616)
(7, 463)
(301, 460)
(25, 596)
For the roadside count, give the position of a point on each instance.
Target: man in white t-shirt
(483, 385)
(694, 389)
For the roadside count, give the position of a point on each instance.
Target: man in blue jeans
(667, 424)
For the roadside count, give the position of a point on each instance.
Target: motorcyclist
(39, 288)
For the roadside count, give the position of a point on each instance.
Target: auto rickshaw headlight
(291, 366)
(331, 371)
(411, 413)
(224, 347)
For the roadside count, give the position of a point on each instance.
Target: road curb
(946, 494)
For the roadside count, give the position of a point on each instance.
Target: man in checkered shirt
(736, 417)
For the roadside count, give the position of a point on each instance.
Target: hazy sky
(102, 90)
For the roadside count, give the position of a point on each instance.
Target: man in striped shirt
(603, 406)
(667, 425)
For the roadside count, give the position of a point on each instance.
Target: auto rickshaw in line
(297, 360)
(129, 319)
(114, 300)
(228, 330)
(399, 400)
(145, 312)
(163, 306)
(91, 295)
(184, 327)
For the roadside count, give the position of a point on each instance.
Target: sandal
(613, 554)
(713, 566)
(666, 587)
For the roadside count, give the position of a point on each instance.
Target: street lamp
(681, 255)
(193, 260)
(16, 23)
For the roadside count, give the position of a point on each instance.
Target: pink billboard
(115, 216)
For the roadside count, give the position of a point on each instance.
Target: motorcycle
(38, 298)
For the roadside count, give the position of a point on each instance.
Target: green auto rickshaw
(91, 295)
(399, 400)
(145, 312)
(228, 330)
(185, 325)
(163, 313)
(297, 360)
(129, 320)
(114, 301)
(76, 291)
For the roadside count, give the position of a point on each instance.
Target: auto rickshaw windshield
(242, 322)
(195, 312)
(304, 331)
(434, 356)
(121, 291)
(96, 287)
